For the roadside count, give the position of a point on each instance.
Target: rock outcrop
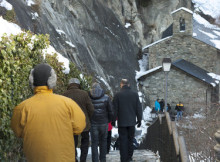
(103, 36)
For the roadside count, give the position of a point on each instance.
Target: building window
(182, 24)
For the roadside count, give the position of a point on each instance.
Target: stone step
(138, 156)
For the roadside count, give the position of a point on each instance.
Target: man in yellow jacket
(46, 121)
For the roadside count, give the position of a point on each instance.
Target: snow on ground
(6, 5)
(9, 28)
(208, 7)
(51, 50)
(209, 34)
(140, 132)
(71, 44)
(30, 2)
(127, 25)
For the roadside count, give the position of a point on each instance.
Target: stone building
(192, 60)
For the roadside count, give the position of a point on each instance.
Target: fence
(162, 136)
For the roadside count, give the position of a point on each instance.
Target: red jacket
(109, 126)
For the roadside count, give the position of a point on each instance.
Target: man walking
(82, 98)
(103, 114)
(127, 108)
(47, 121)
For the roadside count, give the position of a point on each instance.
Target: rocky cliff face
(92, 33)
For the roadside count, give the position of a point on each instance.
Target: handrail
(163, 136)
(175, 138)
(183, 152)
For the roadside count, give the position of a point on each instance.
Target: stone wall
(185, 47)
(192, 92)
(188, 22)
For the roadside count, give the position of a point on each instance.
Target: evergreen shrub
(18, 55)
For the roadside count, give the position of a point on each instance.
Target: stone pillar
(217, 147)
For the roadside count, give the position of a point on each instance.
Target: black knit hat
(41, 74)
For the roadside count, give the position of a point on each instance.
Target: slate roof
(188, 68)
(194, 70)
(197, 34)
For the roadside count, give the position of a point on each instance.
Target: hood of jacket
(96, 92)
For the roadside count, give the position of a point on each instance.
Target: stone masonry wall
(188, 22)
(181, 87)
(185, 47)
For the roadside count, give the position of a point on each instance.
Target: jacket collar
(42, 89)
(73, 86)
(125, 87)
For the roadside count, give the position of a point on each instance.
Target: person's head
(74, 81)
(124, 82)
(96, 90)
(42, 75)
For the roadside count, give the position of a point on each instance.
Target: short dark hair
(125, 82)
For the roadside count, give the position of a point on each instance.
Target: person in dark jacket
(179, 108)
(82, 98)
(127, 108)
(161, 105)
(103, 114)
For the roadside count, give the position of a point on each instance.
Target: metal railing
(162, 136)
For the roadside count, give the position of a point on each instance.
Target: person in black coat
(103, 114)
(128, 111)
(162, 104)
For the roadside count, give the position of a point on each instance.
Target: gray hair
(74, 80)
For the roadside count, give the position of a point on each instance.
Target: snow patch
(216, 32)
(182, 8)
(6, 5)
(216, 42)
(214, 76)
(127, 25)
(34, 15)
(208, 7)
(140, 74)
(70, 44)
(156, 42)
(209, 34)
(8, 28)
(60, 32)
(204, 22)
(30, 2)
(50, 50)
(143, 63)
(196, 116)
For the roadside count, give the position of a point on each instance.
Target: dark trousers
(109, 139)
(99, 135)
(126, 135)
(84, 145)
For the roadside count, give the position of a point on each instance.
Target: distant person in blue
(157, 105)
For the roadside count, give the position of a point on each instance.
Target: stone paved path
(139, 156)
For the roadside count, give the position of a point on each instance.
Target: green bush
(18, 55)
(10, 15)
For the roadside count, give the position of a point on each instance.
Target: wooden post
(183, 152)
(217, 146)
(175, 138)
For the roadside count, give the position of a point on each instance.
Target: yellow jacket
(47, 123)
